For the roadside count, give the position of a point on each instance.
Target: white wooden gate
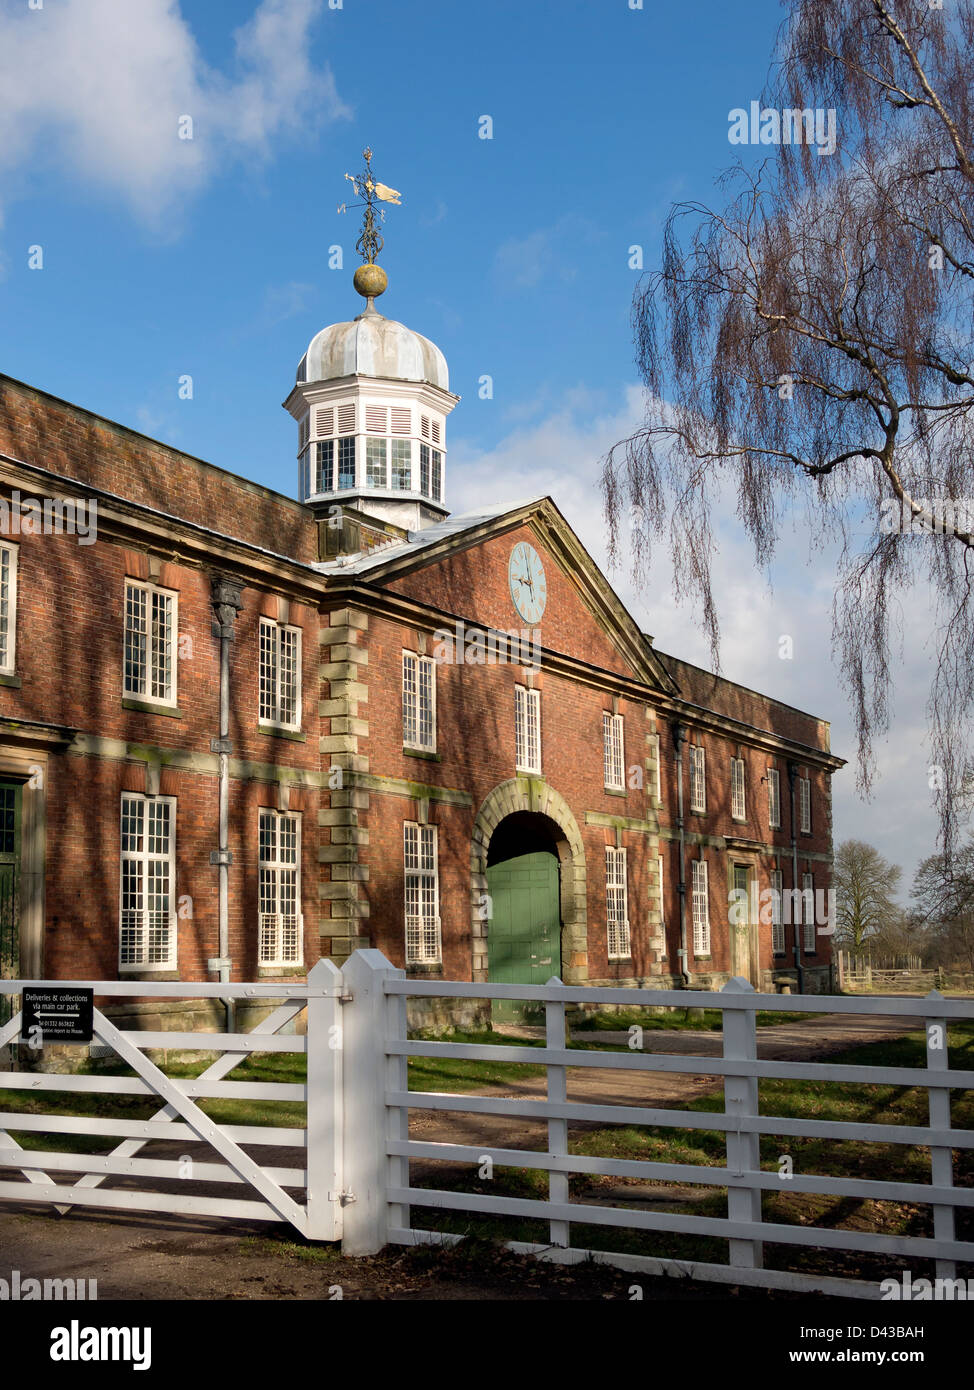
(308, 1196)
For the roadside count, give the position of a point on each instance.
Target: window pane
(346, 462)
(136, 640)
(402, 464)
(324, 466)
(409, 698)
(427, 674)
(5, 605)
(290, 676)
(376, 465)
(268, 671)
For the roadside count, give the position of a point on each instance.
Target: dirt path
(805, 1041)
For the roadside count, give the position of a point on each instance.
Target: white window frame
(738, 794)
(275, 867)
(143, 858)
(527, 750)
(777, 923)
(698, 778)
(700, 900)
(617, 934)
(774, 799)
(805, 805)
(613, 751)
(421, 913)
(8, 622)
(659, 770)
(150, 666)
(417, 670)
(808, 914)
(273, 720)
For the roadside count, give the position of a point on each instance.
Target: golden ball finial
(370, 281)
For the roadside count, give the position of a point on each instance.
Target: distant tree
(944, 913)
(866, 909)
(812, 340)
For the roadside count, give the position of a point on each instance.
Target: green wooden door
(524, 931)
(9, 889)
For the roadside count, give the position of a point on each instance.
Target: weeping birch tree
(810, 339)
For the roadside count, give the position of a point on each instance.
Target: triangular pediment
(460, 566)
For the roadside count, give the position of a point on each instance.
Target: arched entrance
(524, 925)
(520, 818)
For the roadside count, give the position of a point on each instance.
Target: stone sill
(421, 753)
(10, 679)
(278, 731)
(147, 707)
(139, 973)
(283, 972)
(418, 971)
(614, 791)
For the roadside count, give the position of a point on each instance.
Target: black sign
(57, 1013)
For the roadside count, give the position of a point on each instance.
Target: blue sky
(210, 257)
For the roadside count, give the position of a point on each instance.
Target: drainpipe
(679, 738)
(792, 775)
(226, 603)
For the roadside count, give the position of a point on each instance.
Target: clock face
(527, 580)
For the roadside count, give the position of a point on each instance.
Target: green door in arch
(9, 889)
(524, 930)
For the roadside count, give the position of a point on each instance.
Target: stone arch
(535, 795)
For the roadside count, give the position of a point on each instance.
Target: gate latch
(343, 1198)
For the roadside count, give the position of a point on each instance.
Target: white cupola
(371, 400)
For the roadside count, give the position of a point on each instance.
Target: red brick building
(239, 731)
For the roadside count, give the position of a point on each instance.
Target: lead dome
(372, 345)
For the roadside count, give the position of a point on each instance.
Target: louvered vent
(401, 421)
(346, 418)
(376, 417)
(324, 422)
(436, 431)
(302, 434)
(425, 426)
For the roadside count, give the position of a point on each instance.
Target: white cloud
(559, 456)
(97, 88)
(524, 262)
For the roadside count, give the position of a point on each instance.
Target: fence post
(740, 1100)
(324, 1138)
(941, 1159)
(368, 1073)
(557, 1091)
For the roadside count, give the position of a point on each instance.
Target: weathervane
(370, 279)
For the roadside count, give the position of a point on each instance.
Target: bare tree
(813, 339)
(944, 896)
(866, 909)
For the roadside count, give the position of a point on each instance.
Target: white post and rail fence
(351, 1179)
